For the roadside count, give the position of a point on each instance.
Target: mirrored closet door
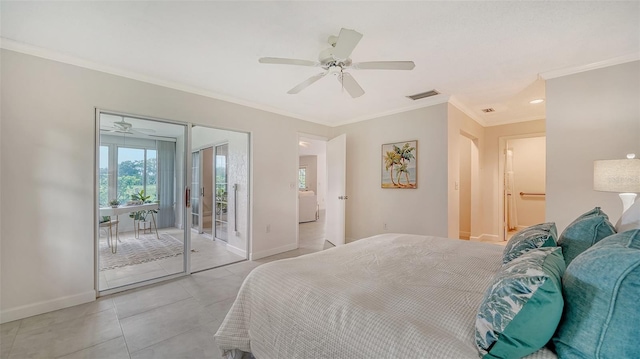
(140, 215)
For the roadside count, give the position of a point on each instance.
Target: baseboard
(235, 250)
(484, 237)
(273, 251)
(464, 234)
(519, 228)
(29, 310)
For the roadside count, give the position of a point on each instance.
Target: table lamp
(621, 176)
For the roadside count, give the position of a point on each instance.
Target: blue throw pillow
(584, 232)
(521, 309)
(601, 288)
(538, 236)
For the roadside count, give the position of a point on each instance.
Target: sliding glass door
(140, 216)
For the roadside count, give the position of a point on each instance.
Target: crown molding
(36, 51)
(435, 100)
(460, 106)
(517, 120)
(588, 67)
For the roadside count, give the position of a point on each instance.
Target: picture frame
(400, 165)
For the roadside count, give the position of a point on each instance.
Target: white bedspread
(388, 296)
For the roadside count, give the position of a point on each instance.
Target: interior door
(336, 189)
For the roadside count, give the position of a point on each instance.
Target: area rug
(144, 249)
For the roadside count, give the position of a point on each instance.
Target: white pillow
(630, 219)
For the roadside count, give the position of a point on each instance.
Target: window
(302, 178)
(137, 170)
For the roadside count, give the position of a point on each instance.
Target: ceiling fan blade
(283, 61)
(384, 65)
(351, 85)
(141, 131)
(347, 41)
(306, 83)
(144, 130)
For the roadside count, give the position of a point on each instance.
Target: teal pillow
(584, 232)
(601, 288)
(540, 235)
(521, 309)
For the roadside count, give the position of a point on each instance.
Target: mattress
(387, 296)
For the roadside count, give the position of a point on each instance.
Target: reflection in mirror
(220, 184)
(141, 235)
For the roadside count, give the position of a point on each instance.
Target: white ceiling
(477, 54)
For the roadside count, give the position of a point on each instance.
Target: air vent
(423, 95)
(487, 110)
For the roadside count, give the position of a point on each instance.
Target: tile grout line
(126, 345)
(162, 306)
(164, 340)
(13, 340)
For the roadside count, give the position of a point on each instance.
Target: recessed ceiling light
(536, 101)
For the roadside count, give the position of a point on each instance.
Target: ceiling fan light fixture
(423, 95)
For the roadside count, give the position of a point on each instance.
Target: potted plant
(141, 216)
(114, 203)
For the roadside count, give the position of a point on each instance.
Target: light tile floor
(175, 319)
(205, 253)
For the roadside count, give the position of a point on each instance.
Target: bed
(391, 296)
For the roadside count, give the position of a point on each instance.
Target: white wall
(48, 167)
(238, 173)
(590, 116)
(419, 211)
(529, 170)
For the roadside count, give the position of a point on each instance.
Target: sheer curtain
(166, 175)
(512, 216)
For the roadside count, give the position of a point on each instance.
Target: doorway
(312, 189)
(523, 174)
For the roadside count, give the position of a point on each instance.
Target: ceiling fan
(335, 60)
(127, 128)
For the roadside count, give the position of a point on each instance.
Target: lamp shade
(617, 175)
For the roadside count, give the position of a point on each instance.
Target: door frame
(186, 262)
(502, 147)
